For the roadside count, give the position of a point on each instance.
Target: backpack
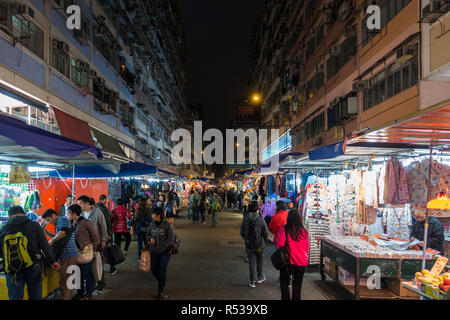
(15, 251)
(253, 238)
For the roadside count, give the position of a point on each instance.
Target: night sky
(218, 42)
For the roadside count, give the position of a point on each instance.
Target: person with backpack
(295, 237)
(64, 248)
(87, 239)
(23, 246)
(142, 218)
(161, 237)
(254, 231)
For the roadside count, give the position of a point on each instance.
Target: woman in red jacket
(119, 225)
(298, 247)
(279, 219)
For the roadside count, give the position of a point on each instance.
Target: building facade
(123, 72)
(323, 74)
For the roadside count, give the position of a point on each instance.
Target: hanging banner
(328, 152)
(19, 174)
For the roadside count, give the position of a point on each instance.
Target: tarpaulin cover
(126, 170)
(328, 152)
(108, 143)
(48, 142)
(73, 128)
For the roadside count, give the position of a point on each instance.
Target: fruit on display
(426, 277)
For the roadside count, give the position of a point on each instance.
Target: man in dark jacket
(65, 206)
(254, 231)
(435, 232)
(37, 249)
(106, 213)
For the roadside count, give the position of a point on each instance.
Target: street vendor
(435, 231)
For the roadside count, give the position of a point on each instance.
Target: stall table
(50, 282)
(391, 268)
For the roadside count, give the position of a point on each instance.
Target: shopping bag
(97, 266)
(144, 264)
(117, 256)
(86, 254)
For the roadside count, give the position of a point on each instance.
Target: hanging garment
(397, 222)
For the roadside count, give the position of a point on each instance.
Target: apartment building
(123, 72)
(323, 74)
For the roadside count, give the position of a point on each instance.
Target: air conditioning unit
(360, 85)
(23, 10)
(352, 105)
(98, 31)
(61, 46)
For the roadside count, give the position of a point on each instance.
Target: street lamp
(256, 98)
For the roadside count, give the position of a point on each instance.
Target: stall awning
(328, 152)
(25, 100)
(73, 128)
(131, 169)
(108, 143)
(45, 141)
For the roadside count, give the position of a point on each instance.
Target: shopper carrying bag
(293, 246)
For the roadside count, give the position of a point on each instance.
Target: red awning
(73, 128)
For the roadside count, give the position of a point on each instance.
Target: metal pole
(425, 236)
(73, 183)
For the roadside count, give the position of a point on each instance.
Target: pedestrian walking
(169, 210)
(190, 205)
(23, 263)
(216, 206)
(95, 215)
(142, 219)
(87, 239)
(160, 237)
(195, 198)
(254, 231)
(119, 218)
(65, 249)
(103, 201)
(295, 237)
(279, 219)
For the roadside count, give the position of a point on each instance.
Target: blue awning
(23, 99)
(126, 170)
(281, 158)
(328, 152)
(48, 142)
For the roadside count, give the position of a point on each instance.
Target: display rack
(391, 268)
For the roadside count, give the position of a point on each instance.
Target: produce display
(427, 278)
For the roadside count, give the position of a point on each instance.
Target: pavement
(210, 266)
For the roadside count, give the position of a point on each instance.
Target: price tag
(439, 266)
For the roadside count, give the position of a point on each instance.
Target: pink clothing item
(403, 192)
(298, 250)
(118, 219)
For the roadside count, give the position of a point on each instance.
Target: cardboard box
(395, 286)
(348, 279)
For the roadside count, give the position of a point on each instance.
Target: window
(78, 75)
(390, 82)
(315, 126)
(34, 40)
(389, 9)
(336, 62)
(61, 62)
